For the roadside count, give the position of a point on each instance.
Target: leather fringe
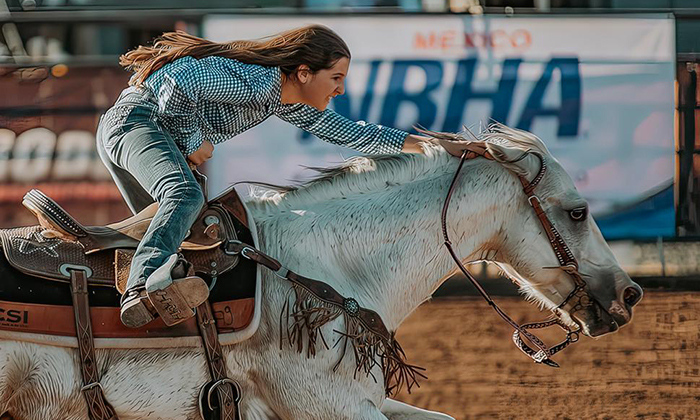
(308, 313)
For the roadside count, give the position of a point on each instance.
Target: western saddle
(223, 219)
(61, 249)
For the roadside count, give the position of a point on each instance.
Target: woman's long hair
(314, 45)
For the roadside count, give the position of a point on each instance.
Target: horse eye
(578, 214)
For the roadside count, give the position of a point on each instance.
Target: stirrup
(175, 299)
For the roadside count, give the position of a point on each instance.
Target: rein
(567, 262)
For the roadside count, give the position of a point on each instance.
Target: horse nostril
(632, 295)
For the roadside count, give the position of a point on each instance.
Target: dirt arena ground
(648, 370)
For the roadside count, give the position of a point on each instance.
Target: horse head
(524, 248)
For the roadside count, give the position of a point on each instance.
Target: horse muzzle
(599, 319)
(600, 324)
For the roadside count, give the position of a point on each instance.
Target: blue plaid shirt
(216, 98)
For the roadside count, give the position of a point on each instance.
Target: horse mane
(360, 174)
(496, 133)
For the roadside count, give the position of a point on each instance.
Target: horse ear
(521, 162)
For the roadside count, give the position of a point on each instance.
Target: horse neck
(385, 248)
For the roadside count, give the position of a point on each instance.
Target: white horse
(371, 229)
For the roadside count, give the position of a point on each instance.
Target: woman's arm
(334, 128)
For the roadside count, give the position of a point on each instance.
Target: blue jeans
(147, 166)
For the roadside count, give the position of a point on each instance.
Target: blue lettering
(569, 112)
(396, 94)
(462, 92)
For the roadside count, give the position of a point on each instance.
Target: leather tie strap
(323, 291)
(317, 303)
(227, 391)
(367, 317)
(98, 407)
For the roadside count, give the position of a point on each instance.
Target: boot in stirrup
(136, 309)
(174, 290)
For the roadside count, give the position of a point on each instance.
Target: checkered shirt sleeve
(188, 92)
(216, 98)
(334, 128)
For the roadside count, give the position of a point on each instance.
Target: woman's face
(318, 89)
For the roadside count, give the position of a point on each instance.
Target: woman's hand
(202, 154)
(453, 147)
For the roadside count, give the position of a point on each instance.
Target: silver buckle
(246, 248)
(65, 269)
(227, 251)
(242, 252)
(236, 398)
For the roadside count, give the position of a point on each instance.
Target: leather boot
(136, 309)
(174, 291)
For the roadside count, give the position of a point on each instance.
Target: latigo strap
(227, 391)
(98, 407)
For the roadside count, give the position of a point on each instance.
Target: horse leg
(396, 410)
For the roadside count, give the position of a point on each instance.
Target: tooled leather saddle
(94, 261)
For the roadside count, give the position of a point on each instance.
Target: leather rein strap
(98, 407)
(567, 261)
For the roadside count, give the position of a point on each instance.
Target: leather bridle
(567, 262)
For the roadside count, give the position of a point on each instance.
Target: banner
(47, 124)
(47, 141)
(597, 90)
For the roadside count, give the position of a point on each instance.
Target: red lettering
(447, 39)
(499, 39)
(422, 42)
(521, 39)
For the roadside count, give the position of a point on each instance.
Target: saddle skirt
(35, 298)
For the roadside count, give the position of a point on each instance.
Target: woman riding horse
(187, 94)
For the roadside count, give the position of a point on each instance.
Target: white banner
(597, 90)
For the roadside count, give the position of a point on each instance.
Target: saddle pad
(58, 320)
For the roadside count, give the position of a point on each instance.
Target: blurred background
(610, 85)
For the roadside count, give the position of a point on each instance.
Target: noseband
(567, 262)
